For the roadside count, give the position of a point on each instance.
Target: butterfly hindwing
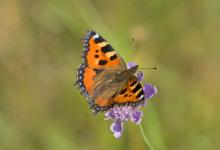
(132, 93)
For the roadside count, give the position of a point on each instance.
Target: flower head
(121, 114)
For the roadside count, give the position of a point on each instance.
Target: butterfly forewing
(99, 53)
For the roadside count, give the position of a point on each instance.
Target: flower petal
(140, 76)
(117, 128)
(137, 117)
(149, 90)
(109, 114)
(131, 64)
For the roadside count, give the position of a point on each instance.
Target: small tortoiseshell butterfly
(103, 77)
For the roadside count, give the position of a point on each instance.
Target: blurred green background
(40, 49)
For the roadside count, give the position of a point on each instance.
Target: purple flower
(140, 76)
(137, 116)
(149, 90)
(121, 114)
(131, 64)
(117, 128)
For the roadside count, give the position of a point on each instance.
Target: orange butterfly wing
(132, 94)
(99, 53)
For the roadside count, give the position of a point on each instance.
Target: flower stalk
(145, 138)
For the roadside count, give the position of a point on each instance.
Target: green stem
(145, 138)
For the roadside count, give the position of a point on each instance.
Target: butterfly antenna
(155, 68)
(134, 46)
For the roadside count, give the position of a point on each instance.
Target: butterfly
(103, 77)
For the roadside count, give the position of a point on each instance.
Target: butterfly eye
(134, 69)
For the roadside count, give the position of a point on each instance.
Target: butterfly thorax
(126, 74)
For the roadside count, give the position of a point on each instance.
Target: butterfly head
(133, 69)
